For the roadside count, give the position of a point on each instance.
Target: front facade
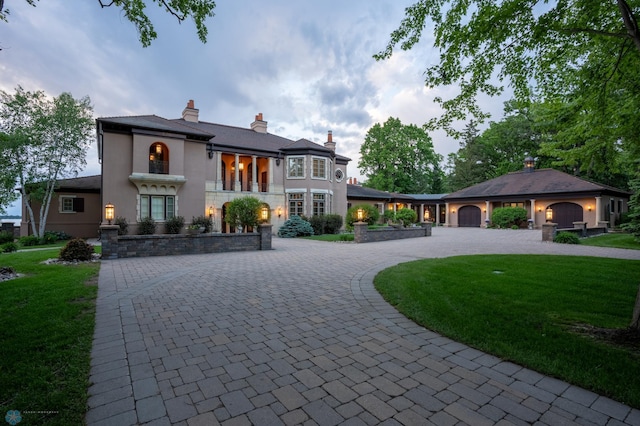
(548, 195)
(152, 166)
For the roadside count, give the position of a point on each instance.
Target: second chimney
(259, 125)
(330, 144)
(190, 113)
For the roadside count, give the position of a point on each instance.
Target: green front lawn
(331, 237)
(548, 313)
(616, 240)
(46, 330)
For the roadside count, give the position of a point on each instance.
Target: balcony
(158, 167)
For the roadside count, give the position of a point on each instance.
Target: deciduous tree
(47, 140)
(134, 11)
(398, 158)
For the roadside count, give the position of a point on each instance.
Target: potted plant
(195, 228)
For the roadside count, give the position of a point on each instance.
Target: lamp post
(264, 213)
(548, 214)
(109, 212)
(360, 215)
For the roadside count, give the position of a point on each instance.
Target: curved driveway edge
(298, 335)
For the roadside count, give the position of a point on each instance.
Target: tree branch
(171, 11)
(595, 32)
(629, 22)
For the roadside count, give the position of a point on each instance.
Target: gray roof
(358, 191)
(427, 197)
(541, 182)
(80, 184)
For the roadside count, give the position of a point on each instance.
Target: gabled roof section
(154, 123)
(541, 182)
(362, 192)
(80, 184)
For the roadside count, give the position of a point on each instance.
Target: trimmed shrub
(123, 225)
(29, 240)
(325, 224)
(76, 249)
(6, 237)
(406, 216)
(147, 226)
(244, 212)
(8, 247)
(203, 221)
(295, 227)
(174, 225)
(371, 214)
(566, 238)
(507, 217)
(49, 238)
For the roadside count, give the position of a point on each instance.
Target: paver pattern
(298, 336)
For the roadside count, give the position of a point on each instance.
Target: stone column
(446, 214)
(437, 218)
(487, 219)
(264, 230)
(236, 174)
(427, 230)
(218, 155)
(360, 232)
(533, 212)
(109, 241)
(549, 231)
(254, 174)
(421, 213)
(599, 216)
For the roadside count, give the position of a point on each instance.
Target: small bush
(325, 224)
(347, 237)
(8, 247)
(295, 227)
(76, 249)
(147, 226)
(406, 216)
(29, 240)
(507, 217)
(174, 225)
(6, 237)
(371, 214)
(566, 238)
(203, 221)
(122, 224)
(49, 238)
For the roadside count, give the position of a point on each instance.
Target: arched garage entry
(564, 214)
(469, 216)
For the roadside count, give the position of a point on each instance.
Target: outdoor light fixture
(241, 166)
(210, 150)
(152, 157)
(279, 211)
(210, 212)
(360, 215)
(548, 214)
(265, 213)
(453, 210)
(158, 149)
(109, 212)
(589, 208)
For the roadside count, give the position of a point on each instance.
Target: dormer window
(158, 159)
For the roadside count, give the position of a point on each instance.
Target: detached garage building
(546, 194)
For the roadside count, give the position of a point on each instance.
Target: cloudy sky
(306, 65)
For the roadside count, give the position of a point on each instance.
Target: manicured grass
(616, 240)
(46, 328)
(331, 237)
(527, 309)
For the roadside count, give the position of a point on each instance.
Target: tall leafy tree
(398, 158)
(44, 140)
(134, 11)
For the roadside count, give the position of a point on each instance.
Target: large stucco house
(158, 167)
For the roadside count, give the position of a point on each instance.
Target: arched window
(158, 158)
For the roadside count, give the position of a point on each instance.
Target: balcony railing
(158, 167)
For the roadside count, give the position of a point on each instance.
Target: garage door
(469, 216)
(564, 214)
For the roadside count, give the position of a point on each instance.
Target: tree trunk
(635, 320)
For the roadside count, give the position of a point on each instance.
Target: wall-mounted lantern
(210, 150)
(241, 166)
(109, 212)
(158, 149)
(279, 211)
(589, 207)
(453, 210)
(548, 214)
(211, 210)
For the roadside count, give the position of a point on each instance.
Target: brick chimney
(190, 113)
(259, 125)
(330, 144)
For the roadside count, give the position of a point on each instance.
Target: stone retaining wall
(118, 247)
(364, 235)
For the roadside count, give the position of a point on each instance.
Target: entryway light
(548, 214)
(210, 212)
(360, 215)
(109, 212)
(265, 213)
(279, 211)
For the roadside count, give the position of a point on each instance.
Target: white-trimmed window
(319, 204)
(295, 167)
(71, 204)
(319, 168)
(158, 207)
(296, 204)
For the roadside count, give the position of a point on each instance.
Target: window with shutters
(71, 204)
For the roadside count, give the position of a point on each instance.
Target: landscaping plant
(509, 217)
(203, 222)
(76, 250)
(566, 238)
(406, 216)
(174, 225)
(295, 226)
(123, 225)
(371, 214)
(244, 212)
(147, 226)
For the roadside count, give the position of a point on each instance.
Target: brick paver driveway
(298, 335)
